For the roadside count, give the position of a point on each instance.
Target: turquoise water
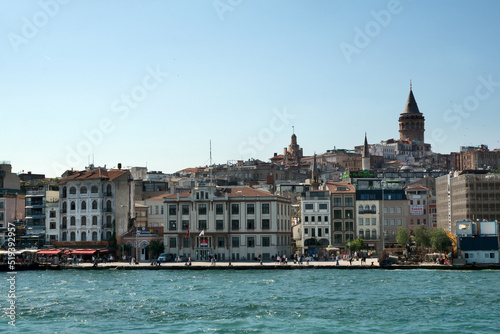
(270, 301)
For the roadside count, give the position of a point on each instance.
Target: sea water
(254, 301)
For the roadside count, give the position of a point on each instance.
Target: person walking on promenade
(350, 261)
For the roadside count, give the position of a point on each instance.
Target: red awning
(49, 252)
(84, 251)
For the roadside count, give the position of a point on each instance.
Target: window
(219, 209)
(235, 224)
(157, 209)
(235, 242)
(72, 236)
(374, 234)
(400, 210)
(52, 225)
(265, 208)
(219, 224)
(94, 190)
(172, 225)
(172, 210)
(72, 221)
(202, 224)
(94, 205)
(386, 222)
(313, 218)
(250, 209)
(309, 206)
(360, 221)
(266, 224)
(221, 242)
(84, 236)
(72, 205)
(320, 234)
(94, 236)
(250, 224)
(348, 201)
(367, 235)
(185, 209)
(367, 221)
(84, 206)
(385, 209)
(349, 214)
(64, 236)
(266, 241)
(83, 190)
(172, 242)
(326, 219)
(235, 209)
(349, 226)
(84, 220)
(323, 206)
(72, 191)
(337, 226)
(108, 221)
(374, 209)
(337, 214)
(306, 218)
(250, 241)
(202, 209)
(337, 201)
(1, 205)
(400, 222)
(374, 221)
(360, 209)
(326, 231)
(94, 220)
(161, 209)
(361, 234)
(185, 225)
(392, 210)
(64, 222)
(306, 231)
(313, 232)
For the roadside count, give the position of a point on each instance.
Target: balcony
(108, 210)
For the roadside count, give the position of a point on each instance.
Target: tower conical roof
(411, 105)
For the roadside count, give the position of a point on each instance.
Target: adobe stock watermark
(31, 26)
(121, 107)
(224, 6)
(363, 37)
(11, 260)
(456, 115)
(257, 142)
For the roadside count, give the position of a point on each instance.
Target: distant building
(476, 158)
(316, 221)
(343, 216)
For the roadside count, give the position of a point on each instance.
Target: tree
(156, 248)
(439, 240)
(422, 237)
(355, 245)
(403, 236)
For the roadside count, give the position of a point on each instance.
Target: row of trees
(435, 238)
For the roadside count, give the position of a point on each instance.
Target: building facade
(316, 221)
(232, 223)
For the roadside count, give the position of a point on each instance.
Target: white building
(316, 221)
(233, 223)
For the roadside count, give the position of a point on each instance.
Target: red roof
(98, 173)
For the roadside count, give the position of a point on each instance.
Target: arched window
(361, 234)
(94, 190)
(94, 236)
(108, 206)
(94, 205)
(64, 192)
(72, 190)
(72, 236)
(84, 205)
(94, 220)
(64, 236)
(84, 220)
(108, 235)
(84, 236)
(108, 221)
(72, 221)
(367, 208)
(374, 234)
(83, 190)
(374, 209)
(64, 207)
(64, 222)
(72, 206)
(367, 235)
(360, 209)
(108, 190)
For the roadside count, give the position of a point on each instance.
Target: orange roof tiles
(333, 186)
(94, 174)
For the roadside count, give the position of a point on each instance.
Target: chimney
(119, 165)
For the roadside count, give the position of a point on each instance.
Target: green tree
(156, 248)
(355, 245)
(403, 236)
(439, 240)
(422, 237)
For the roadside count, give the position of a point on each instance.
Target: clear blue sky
(340, 68)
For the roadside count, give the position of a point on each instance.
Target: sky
(153, 83)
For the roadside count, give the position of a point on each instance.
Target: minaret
(365, 157)
(411, 121)
(315, 175)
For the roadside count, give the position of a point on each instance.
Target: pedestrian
(350, 261)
